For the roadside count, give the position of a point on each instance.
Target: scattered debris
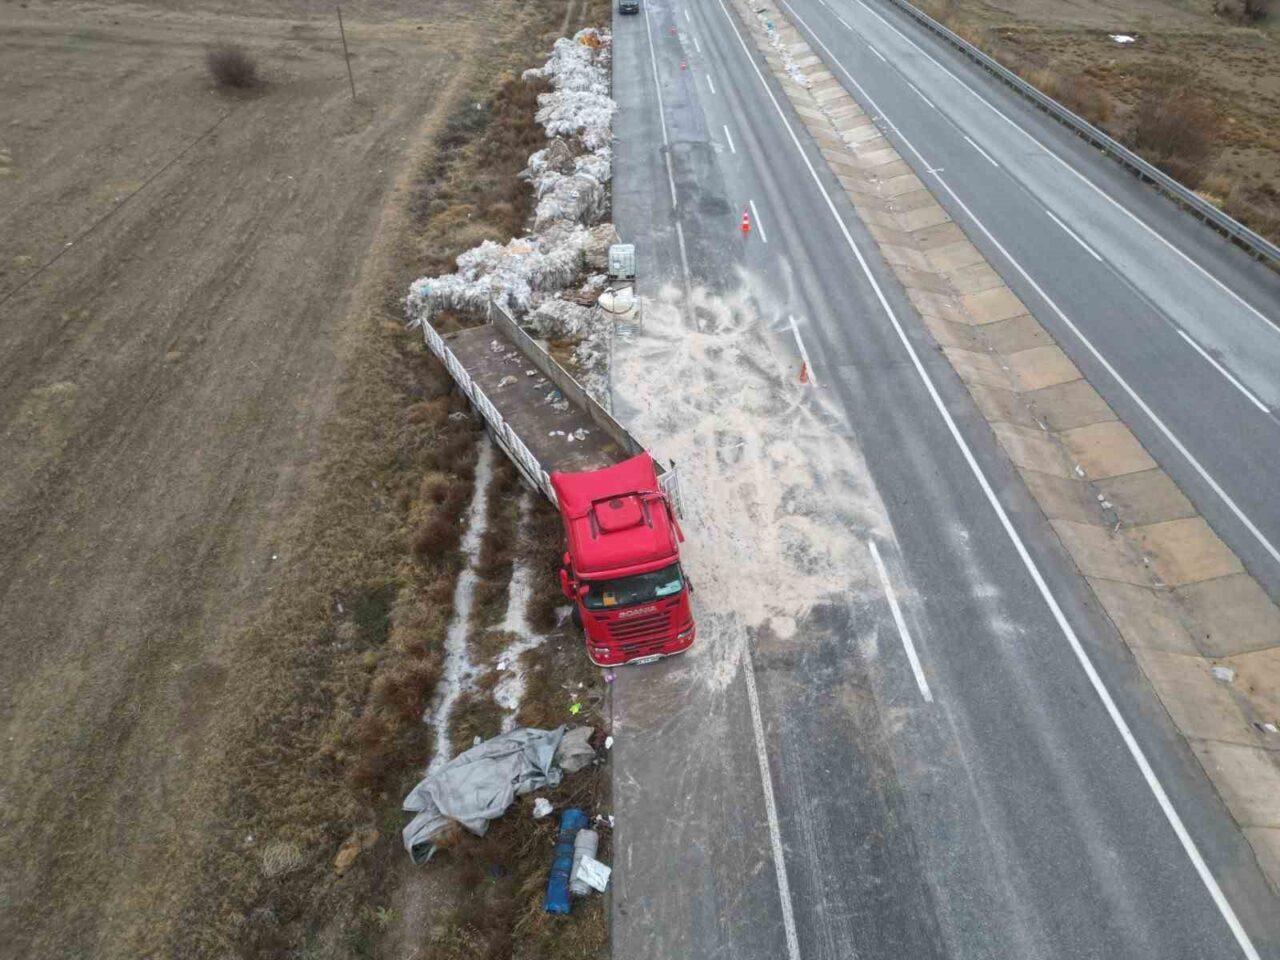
(570, 190)
(541, 807)
(355, 844)
(557, 898)
(593, 874)
(575, 751)
(585, 847)
(479, 785)
(788, 61)
(1225, 674)
(1123, 38)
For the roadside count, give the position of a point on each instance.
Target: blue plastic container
(557, 899)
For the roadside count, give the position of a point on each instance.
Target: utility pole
(347, 54)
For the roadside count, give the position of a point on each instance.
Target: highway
(920, 738)
(1175, 327)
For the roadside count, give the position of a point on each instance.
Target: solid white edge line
(984, 153)
(1226, 373)
(657, 87)
(921, 95)
(804, 354)
(901, 623)
(1135, 751)
(771, 809)
(1073, 235)
(755, 215)
(728, 136)
(1052, 304)
(710, 85)
(1083, 179)
(876, 52)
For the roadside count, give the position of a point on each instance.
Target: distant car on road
(628, 6)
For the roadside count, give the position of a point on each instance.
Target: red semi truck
(618, 505)
(622, 569)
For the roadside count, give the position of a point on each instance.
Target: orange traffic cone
(746, 221)
(804, 373)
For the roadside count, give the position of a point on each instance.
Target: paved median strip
(1203, 631)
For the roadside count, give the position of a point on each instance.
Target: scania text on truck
(622, 568)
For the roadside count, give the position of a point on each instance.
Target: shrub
(1176, 128)
(230, 65)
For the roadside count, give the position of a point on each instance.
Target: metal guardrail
(1258, 246)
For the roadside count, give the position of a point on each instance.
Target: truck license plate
(643, 660)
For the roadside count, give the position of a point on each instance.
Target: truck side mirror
(583, 590)
(567, 561)
(565, 586)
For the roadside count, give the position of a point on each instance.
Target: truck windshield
(642, 588)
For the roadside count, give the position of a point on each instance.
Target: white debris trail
(459, 671)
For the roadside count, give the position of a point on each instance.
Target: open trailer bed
(540, 416)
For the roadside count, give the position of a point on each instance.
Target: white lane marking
(804, 354)
(984, 153)
(844, 23)
(686, 16)
(898, 619)
(1073, 235)
(684, 256)
(876, 52)
(710, 85)
(1142, 404)
(666, 151)
(1274, 326)
(697, 45)
(1135, 751)
(1222, 370)
(920, 95)
(755, 215)
(728, 136)
(771, 810)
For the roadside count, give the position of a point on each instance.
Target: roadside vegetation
(231, 65)
(1196, 91)
(335, 738)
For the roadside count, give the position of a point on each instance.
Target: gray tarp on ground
(478, 786)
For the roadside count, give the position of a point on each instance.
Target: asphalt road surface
(1173, 325)
(1017, 791)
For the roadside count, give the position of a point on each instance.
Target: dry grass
(1075, 92)
(232, 66)
(349, 657)
(470, 194)
(1176, 128)
(1223, 125)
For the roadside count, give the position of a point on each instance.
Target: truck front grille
(649, 627)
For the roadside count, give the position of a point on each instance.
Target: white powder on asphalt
(778, 501)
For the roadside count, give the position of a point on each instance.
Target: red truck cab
(622, 569)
